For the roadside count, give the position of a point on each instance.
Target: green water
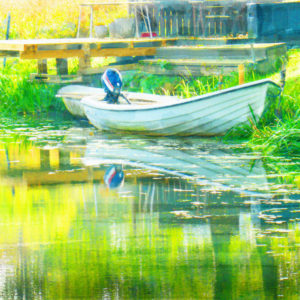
(194, 219)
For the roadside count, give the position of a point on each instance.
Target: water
(193, 219)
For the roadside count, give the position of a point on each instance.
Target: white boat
(73, 94)
(205, 115)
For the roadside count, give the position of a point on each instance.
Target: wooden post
(162, 23)
(168, 21)
(85, 62)
(241, 69)
(91, 22)
(220, 82)
(137, 34)
(193, 32)
(79, 22)
(149, 22)
(62, 66)
(201, 20)
(42, 66)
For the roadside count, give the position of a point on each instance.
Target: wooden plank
(70, 76)
(123, 52)
(20, 45)
(94, 53)
(212, 51)
(51, 54)
(196, 62)
(204, 70)
(117, 3)
(11, 46)
(101, 70)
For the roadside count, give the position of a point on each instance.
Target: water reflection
(193, 220)
(114, 176)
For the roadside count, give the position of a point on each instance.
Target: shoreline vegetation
(277, 133)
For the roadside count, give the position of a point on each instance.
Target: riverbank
(280, 134)
(277, 133)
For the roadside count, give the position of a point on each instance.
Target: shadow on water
(186, 219)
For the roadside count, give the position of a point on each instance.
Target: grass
(52, 18)
(278, 132)
(20, 96)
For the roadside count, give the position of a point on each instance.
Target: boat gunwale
(131, 108)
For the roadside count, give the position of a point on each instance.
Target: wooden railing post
(241, 69)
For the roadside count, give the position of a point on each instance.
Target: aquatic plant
(20, 95)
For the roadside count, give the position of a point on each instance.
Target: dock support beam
(62, 66)
(42, 66)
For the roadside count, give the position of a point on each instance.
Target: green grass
(18, 95)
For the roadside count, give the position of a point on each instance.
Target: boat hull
(207, 115)
(74, 107)
(72, 95)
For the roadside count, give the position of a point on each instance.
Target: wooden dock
(214, 59)
(168, 56)
(82, 47)
(208, 60)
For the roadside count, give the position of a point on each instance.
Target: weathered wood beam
(191, 70)
(94, 53)
(11, 46)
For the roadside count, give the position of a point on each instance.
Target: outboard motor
(112, 84)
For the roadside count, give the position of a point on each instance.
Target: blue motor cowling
(112, 84)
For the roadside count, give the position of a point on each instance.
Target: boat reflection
(205, 163)
(114, 176)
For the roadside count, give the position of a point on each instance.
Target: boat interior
(136, 98)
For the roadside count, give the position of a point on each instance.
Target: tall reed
(20, 95)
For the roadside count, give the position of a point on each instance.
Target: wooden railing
(192, 18)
